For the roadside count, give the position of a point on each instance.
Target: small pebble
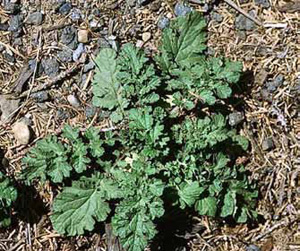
(50, 66)
(78, 52)
(235, 118)
(66, 55)
(88, 67)
(15, 23)
(163, 22)
(75, 14)
(21, 132)
(90, 111)
(182, 9)
(217, 17)
(139, 44)
(146, 36)
(4, 27)
(263, 3)
(244, 23)
(65, 8)
(12, 8)
(252, 247)
(73, 101)
(267, 144)
(35, 18)
(277, 82)
(40, 97)
(69, 37)
(83, 36)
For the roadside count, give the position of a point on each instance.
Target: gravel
(163, 22)
(40, 97)
(277, 82)
(267, 144)
(21, 132)
(252, 248)
(69, 37)
(262, 3)
(244, 23)
(182, 9)
(4, 27)
(50, 66)
(78, 52)
(66, 55)
(7, 107)
(72, 99)
(15, 25)
(35, 18)
(89, 66)
(65, 8)
(235, 118)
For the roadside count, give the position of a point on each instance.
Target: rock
(263, 3)
(62, 114)
(252, 248)
(235, 118)
(266, 95)
(163, 22)
(244, 23)
(95, 25)
(65, 8)
(83, 36)
(217, 17)
(146, 36)
(32, 64)
(69, 37)
(142, 2)
(96, 12)
(40, 97)
(88, 67)
(277, 82)
(4, 27)
(12, 8)
(9, 57)
(78, 52)
(131, 3)
(50, 66)
(7, 107)
(90, 111)
(73, 101)
(267, 144)
(35, 18)
(15, 24)
(76, 14)
(182, 9)
(66, 55)
(21, 132)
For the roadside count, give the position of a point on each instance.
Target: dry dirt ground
(269, 50)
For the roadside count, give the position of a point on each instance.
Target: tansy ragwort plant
(166, 148)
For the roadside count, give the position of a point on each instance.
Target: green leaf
(229, 204)
(78, 158)
(207, 206)
(95, 143)
(77, 208)
(208, 97)
(188, 193)
(106, 88)
(70, 133)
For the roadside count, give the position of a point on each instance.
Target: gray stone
(65, 8)
(69, 37)
(39, 70)
(62, 114)
(12, 8)
(72, 99)
(50, 66)
(35, 18)
(40, 97)
(21, 132)
(182, 9)
(7, 107)
(76, 14)
(263, 3)
(90, 111)
(163, 22)
(252, 247)
(266, 95)
(277, 82)
(142, 2)
(235, 118)
(15, 23)
(4, 27)
(66, 55)
(89, 66)
(217, 17)
(78, 52)
(9, 57)
(244, 23)
(267, 144)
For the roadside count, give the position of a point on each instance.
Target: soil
(46, 65)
